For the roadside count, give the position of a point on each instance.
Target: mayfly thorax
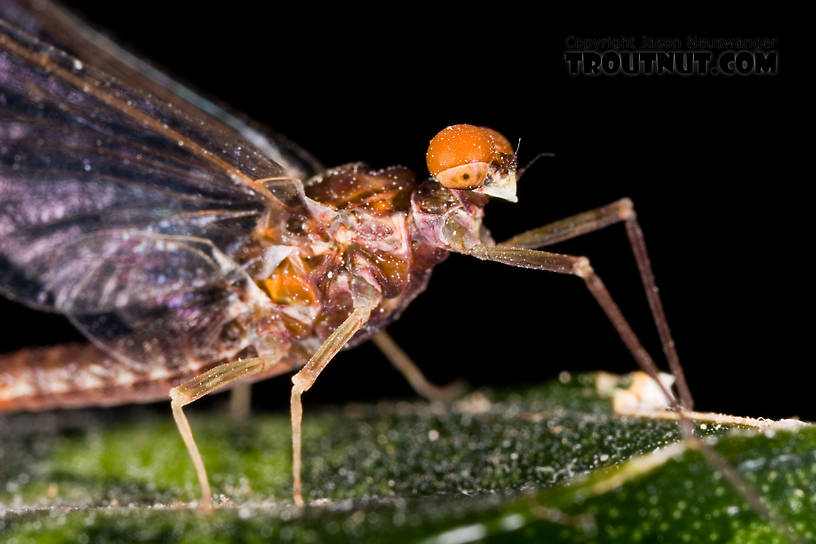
(196, 252)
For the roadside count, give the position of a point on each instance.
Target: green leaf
(551, 463)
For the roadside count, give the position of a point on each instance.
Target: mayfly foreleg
(413, 374)
(196, 388)
(578, 266)
(303, 381)
(592, 220)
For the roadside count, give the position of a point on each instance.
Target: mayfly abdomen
(74, 375)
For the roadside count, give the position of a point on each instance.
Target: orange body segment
(286, 286)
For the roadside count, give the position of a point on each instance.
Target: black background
(707, 161)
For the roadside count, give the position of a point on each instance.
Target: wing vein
(45, 63)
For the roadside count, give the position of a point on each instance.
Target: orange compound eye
(457, 145)
(459, 155)
(500, 143)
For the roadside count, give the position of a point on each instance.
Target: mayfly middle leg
(233, 371)
(305, 378)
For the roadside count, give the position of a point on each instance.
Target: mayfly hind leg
(305, 378)
(413, 375)
(583, 223)
(240, 401)
(193, 390)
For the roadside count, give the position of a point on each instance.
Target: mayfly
(196, 252)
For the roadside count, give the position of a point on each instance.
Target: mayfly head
(473, 158)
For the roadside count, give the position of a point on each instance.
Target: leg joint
(300, 384)
(177, 396)
(626, 209)
(582, 268)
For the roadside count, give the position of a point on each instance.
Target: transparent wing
(81, 154)
(123, 209)
(157, 301)
(53, 24)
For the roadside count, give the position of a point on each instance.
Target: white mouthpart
(504, 187)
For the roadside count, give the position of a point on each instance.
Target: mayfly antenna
(520, 172)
